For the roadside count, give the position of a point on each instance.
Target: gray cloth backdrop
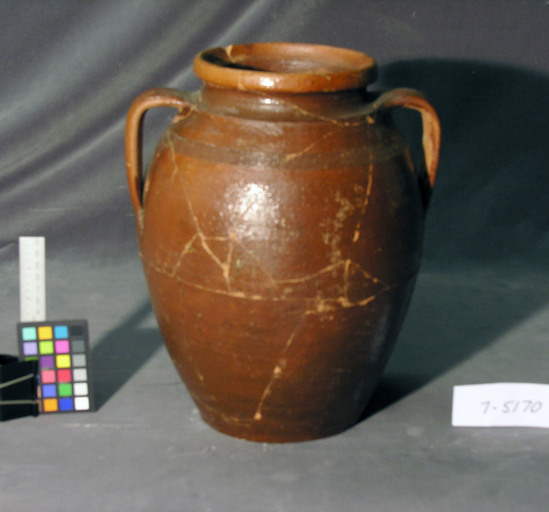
(68, 73)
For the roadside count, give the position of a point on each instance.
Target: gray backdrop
(68, 72)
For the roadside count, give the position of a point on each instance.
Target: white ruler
(32, 278)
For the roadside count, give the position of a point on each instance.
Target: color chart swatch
(62, 351)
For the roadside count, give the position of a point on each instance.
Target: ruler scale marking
(32, 278)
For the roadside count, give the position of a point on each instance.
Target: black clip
(18, 388)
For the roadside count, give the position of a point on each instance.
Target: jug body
(280, 226)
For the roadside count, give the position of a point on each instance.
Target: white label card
(505, 404)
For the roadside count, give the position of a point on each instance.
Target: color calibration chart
(62, 351)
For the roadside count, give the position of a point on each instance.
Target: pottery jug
(280, 227)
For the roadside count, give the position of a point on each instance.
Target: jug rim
(285, 67)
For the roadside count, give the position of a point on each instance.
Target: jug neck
(289, 80)
(284, 106)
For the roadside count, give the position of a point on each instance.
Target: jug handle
(412, 99)
(158, 97)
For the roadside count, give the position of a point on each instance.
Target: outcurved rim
(285, 67)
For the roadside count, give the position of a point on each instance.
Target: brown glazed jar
(280, 226)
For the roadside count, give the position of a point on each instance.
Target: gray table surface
(147, 448)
